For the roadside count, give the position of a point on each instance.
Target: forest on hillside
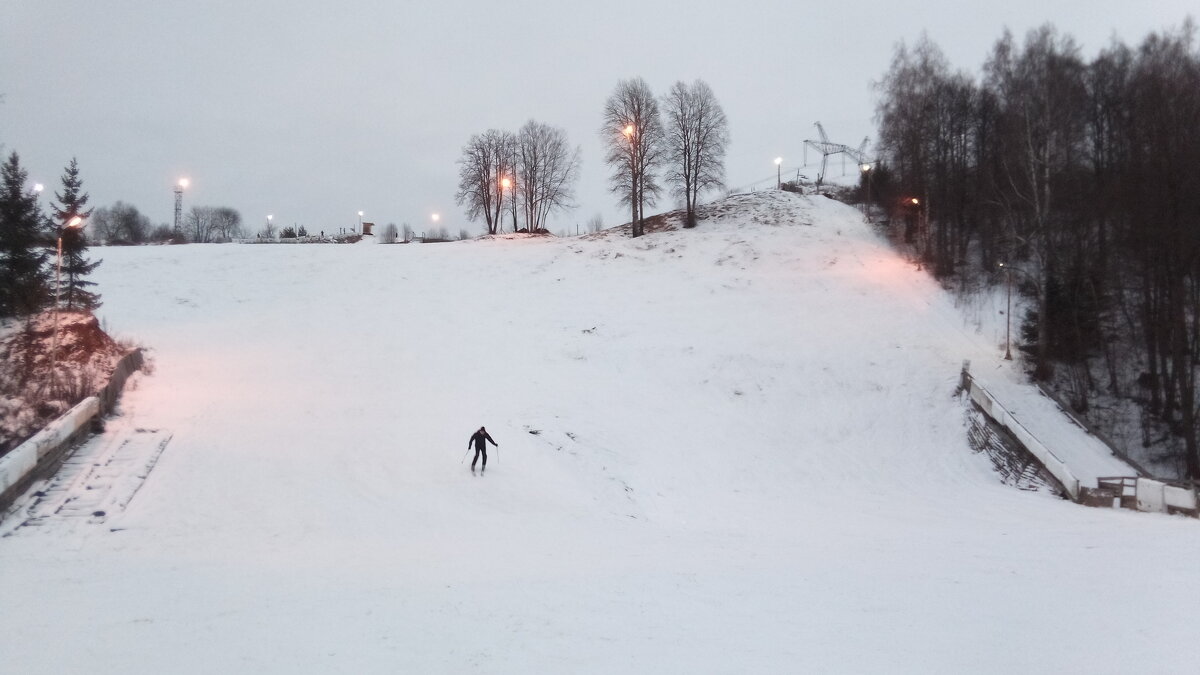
(1077, 182)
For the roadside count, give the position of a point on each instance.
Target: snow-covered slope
(733, 449)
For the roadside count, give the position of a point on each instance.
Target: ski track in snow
(733, 449)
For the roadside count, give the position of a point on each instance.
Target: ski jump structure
(827, 148)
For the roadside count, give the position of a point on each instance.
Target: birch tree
(696, 136)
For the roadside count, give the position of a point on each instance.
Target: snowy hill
(731, 449)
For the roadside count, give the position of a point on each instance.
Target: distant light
(629, 130)
(436, 217)
(915, 200)
(360, 214)
(778, 161)
(866, 167)
(38, 187)
(183, 182)
(505, 183)
(77, 221)
(269, 217)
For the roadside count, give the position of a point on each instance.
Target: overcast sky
(312, 111)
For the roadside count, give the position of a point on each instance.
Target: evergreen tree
(24, 283)
(75, 265)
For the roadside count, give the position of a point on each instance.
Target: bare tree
(482, 170)
(200, 223)
(633, 138)
(227, 224)
(1043, 92)
(595, 223)
(120, 223)
(697, 134)
(547, 168)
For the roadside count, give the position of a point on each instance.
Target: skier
(480, 440)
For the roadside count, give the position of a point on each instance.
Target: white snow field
(735, 449)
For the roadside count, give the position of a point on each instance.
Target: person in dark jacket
(480, 440)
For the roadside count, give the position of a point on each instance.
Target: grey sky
(313, 111)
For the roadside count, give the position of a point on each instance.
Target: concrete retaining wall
(41, 455)
(993, 409)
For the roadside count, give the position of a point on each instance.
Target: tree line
(31, 243)
(530, 174)
(123, 224)
(1078, 182)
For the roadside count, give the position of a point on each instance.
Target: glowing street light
(628, 131)
(73, 224)
(778, 174)
(37, 188)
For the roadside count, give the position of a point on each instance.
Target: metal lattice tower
(179, 203)
(827, 148)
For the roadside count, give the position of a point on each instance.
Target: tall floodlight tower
(183, 183)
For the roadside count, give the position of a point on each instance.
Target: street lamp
(778, 175)
(866, 169)
(635, 223)
(506, 183)
(1008, 313)
(73, 224)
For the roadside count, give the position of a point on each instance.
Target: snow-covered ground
(734, 449)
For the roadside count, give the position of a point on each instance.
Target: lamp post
(1008, 312)
(866, 169)
(778, 173)
(73, 224)
(630, 132)
(507, 184)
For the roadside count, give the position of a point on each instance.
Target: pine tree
(75, 265)
(24, 281)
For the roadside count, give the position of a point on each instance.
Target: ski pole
(464, 459)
